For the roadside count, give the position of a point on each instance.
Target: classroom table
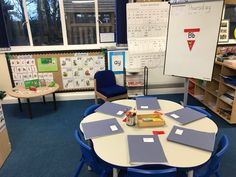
(114, 149)
(20, 92)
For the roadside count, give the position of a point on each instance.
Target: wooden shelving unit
(213, 94)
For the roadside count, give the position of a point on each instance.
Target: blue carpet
(45, 146)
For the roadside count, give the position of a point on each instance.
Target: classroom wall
(5, 81)
(159, 84)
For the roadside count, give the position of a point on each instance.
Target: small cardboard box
(150, 120)
(5, 146)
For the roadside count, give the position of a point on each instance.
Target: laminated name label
(113, 128)
(148, 140)
(120, 113)
(179, 132)
(174, 116)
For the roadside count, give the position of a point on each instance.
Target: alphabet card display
(78, 71)
(23, 68)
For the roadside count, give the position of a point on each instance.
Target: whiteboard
(192, 39)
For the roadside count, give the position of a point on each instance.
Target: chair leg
(96, 99)
(89, 168)
(81, 164)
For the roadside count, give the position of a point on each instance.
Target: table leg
(44, 100)
(54, 100)
(190, 173)
(29, 107)
(20, 105)
(115, 172)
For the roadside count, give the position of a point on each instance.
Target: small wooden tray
(150, 120)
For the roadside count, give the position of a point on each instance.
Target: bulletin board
(192, 39)
(72, 71)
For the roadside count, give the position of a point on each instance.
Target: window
(80, 21)
(45, 22)
(230, 13)
(15, 22)
(39, 23)
(106, 9)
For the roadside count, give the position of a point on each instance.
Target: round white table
(114, 149)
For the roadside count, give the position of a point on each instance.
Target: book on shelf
(134, 84)
(231, 62)
(226, 99)
(226, 110)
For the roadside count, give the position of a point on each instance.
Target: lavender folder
(113, 109)
(145, 149)
(147, 103)
(185, 115)
(101, 128)
(193, 138)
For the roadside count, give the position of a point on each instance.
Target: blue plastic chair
(199, 109)
(105, 87)
(91, 159)
(90, 109)
(137, 172)
(146, 96)
(212, 166)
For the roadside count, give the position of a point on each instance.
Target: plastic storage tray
(230, 80)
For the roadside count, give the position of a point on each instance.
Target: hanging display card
(47, 64)
(146, 31)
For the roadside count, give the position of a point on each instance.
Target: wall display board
(78, 71)
(72, 71)
(192, 39)
(147, 26)
(146, 32)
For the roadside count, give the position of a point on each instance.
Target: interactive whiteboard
(192, 39)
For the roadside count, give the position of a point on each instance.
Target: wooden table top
(20, 92)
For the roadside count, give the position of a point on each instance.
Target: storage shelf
(225, 101)
(211, 93)
(231, 86)
(136, 81)
(216, 79)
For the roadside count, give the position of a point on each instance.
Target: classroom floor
(45, 146)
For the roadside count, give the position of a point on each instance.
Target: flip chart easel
(192, 39)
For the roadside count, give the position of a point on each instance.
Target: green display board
(47, 64)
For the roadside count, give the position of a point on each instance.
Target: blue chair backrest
(199, 109)
(105, 79)
(90, 109)
(135, 172)
(221, 149)
(146, 96)
(88, 153)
